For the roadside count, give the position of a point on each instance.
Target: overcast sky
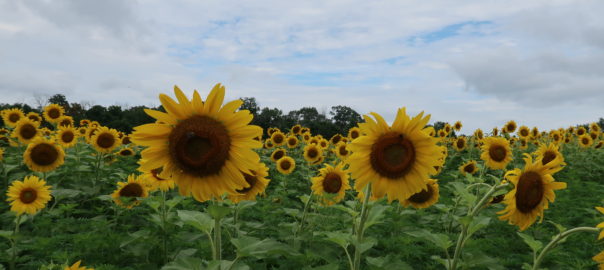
(540, 63)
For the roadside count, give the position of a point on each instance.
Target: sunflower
(1, 154)
(425, 197)
(599, 144)
(331, 181)
(601, 225)
(82, 131)
(43, 155)
(34, 116)
(306, 137)
(496, 152)
(323, 143)
(494, 132)
(286, 165)
(84, 122)
(335, 139)
(581, 131)
(52, 113)
(126, 152)
(304, 130)
(278, 154)
(460, 143)
(430, 131)
(26, 130)
(296, 129)
(28, 196)
(470, 167)
(203, 146)
(90, 133)
(127, 193)
(523, 143)
(533, 190)
(257, 184)
(509, 127)
(94, 124)
(314, 140)
(479, 134)
(67, 136)
(65, 121)
(524, 132)
(447, 128)
(155, 182)
(585, 141)
(341, 151)
(312, 153)
(278, 138)
(126, 140)
(292, 141)
(268, 143)
(270, 131)
(534, 133)
(594, 135)
(595, 127)
(457, 126)
(599, 259)
(442, 133)
(549, 153)
(76, 266)
(12, 116)
(396, 159)
(105, 140)
(354, 132)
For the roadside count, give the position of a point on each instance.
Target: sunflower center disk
(312, 153)
(285, 165)
(460, 143)
(105, 140)
(279, 155)
(131, 190)
(332, 183)
(44, 154)
(250, 179)
(354, 134)
(497, 153)
(547, 157)
(469, 168)
(343, 151)
(422, 196)
(13, 117)
(67, 137)
(529, 192)
(200, 145)
(28, 196)
(54, 113)
(28, 131)
(392, 155)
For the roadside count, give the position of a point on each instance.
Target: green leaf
(174, 202)
(340, 238)
(218, 211)
(477, 224)
(134, 236)
(535, 245)
(199, 220)
(252, 247)
(460, 189)
(438, 239)
(65, 193)
(184, 263)
(6, 234)
(375, 215)
(560, 228)
(387, 262)
(367, 243)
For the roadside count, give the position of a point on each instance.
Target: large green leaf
(199, 220)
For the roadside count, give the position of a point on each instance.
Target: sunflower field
(202, 188)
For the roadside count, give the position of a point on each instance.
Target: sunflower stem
(558, 238)
(14, 244)
(361, 229)
(217, 240)
(164, 230)
(301, 224)
(98, 169)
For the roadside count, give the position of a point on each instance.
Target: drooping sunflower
(296, 129)
(26, 130)
(28, 196)
(90, 132)
(331, 183)
(397, 160)
(278, 154)
(76, 266)
(533, 191)
(457, 126)
(278, 138)
(470, 167)
(425, 197)
(478, 134)
(203, 146)
(12, 116)
(341, 150)
(292, 141)
(286, 165)
(599, 144)
(84, 122)
(496, 152)
(105, 140)
(126, 152)
(43, 155)
(312, 153)
(354, 132)
(314, 140)
(67, 136)
(509, 127)
(524, 132)
(65, 121)
(257, 185)
(585, 141)
(460, 143)
(594, 135)
(335, 139)
(53, 112)
(127, 193)
(34, 116)
(549, 153)
(155, 182)
(304, 130)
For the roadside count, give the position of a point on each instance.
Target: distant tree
(249, 103)
(268, 118)
(97, 113)
(344, 118)
(59, 99)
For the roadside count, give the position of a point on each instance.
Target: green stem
(235, 219)
(361, 229)
(14, 244)
(303, 217)
(98, 168)
(212, 245)
(217, 240)
(558, 238)
(164, 229)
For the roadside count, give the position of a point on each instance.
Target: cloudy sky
(540, 63)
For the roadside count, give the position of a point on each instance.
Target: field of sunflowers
(201, 188)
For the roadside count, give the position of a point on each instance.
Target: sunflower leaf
(199, 220)
(535, 245)
(184, 263)
(6, 234)
(375, 215)
(340, 238)
(477, 224)
(218, 211)
(253, 247)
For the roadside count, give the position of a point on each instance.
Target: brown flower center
(556, 137)
(422, 196)
(497, 153)
(392, 155)
(278, 138)
(67, 136)
(354, 134)
(296, 129)
(28, 195)
(510, 127)
(524, 132)
(336, 138)
(44, 154)
(126, 140)
(585, 141)
(332, 183)
(131, 190)
(580, 131)
(343, 151)
(312, 153)
(34, 117)
(28, 131)
(469, 168)
(285, 165)
(200, 145)
(278, 154)
(105, 140)
(54, 113)
(65, 123)
(548, 156)
(529, 191)
(14, 117)
(460, 143)
(126, 152)
(251, 180)
(292, 141)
